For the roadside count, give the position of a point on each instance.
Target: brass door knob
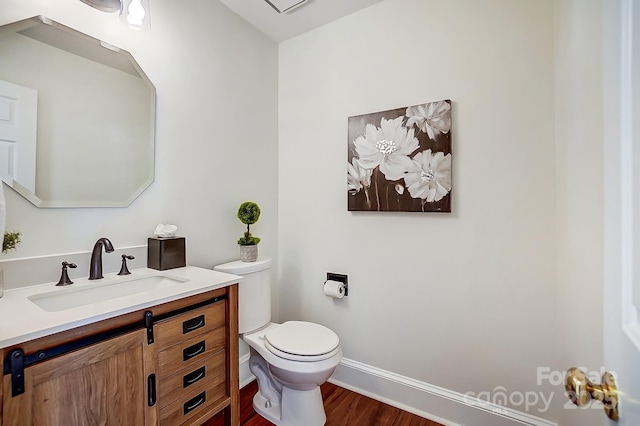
(581, 390)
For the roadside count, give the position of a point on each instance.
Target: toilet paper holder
(340, 278)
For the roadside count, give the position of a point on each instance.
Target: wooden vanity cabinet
(174, 369)
(191, 363)
(1, 387)
(100, 384)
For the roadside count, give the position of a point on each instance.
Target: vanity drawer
(180, 327)
(207, 371)
(190, 352)
(193, 401)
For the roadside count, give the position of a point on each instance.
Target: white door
(622, 203)
(18, 123)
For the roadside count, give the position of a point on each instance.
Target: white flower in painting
(430, 178)
(387, 146)
(432, 118)
(357, 177)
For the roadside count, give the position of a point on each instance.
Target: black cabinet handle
(193, 350)
(194, 376)
(192, 324)
(151, 389)
(195, 402)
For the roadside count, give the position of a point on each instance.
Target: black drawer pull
(191, 378)
(195, 402)
(193, 324)
(193, 350)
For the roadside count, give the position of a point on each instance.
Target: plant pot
(249, 253)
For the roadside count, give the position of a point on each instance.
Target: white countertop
(22, 320)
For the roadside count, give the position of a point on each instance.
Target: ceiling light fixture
(104, 5)
(134, 13)
(284, 6)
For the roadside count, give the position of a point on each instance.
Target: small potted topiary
(10, 242)
(248, 213)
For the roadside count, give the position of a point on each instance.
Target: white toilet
(290, 360)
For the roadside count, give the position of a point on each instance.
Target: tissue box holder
(166, 253)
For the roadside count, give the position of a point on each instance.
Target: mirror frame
(40, 203)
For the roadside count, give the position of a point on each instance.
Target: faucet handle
(64, 278)
(124, 270)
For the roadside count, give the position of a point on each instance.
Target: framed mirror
(77, 118)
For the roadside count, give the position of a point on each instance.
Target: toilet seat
(302, 341)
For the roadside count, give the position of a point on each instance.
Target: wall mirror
(77, 118)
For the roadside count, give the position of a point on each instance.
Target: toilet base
(297, 408)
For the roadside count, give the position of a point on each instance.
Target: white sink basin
(96, 291)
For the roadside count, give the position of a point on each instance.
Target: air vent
(284, 6)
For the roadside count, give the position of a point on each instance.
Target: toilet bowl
(290, 360)
(289, 376)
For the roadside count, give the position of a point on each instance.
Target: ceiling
(310, 15)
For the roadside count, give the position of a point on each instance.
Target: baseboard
(442, 405)
(245, 374)
(28, 271)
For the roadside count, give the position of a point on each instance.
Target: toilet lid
(302, 338)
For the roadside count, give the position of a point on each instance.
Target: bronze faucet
(95, 267)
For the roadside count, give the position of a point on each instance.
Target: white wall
(470, 300)
(580, 164)
(216, 144)
(465, 300)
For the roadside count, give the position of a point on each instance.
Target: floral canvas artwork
(400, 160)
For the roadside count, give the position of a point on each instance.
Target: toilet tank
(254, 292)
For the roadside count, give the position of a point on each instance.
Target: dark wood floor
(343, 408)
